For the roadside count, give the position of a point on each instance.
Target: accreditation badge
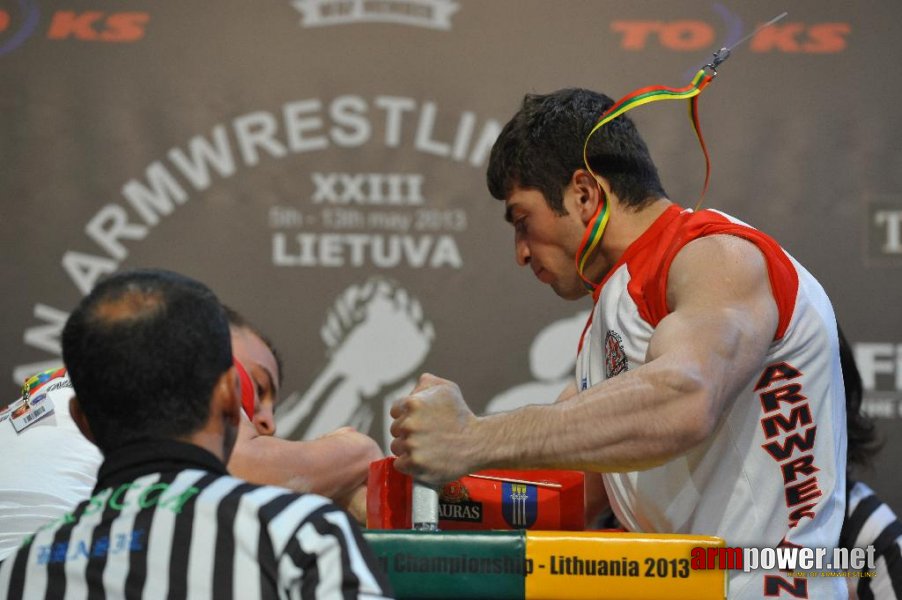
(29, 410)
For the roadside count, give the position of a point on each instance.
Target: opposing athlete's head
(259, 357)
(541, 147)
(147, 351)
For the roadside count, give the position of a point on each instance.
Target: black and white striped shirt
(870, 522)
(167, 521)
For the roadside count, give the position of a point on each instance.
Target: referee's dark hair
(144, 351)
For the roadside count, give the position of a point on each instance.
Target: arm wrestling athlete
(335, 465)
(708, 389)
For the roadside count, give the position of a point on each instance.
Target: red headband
(247, 389)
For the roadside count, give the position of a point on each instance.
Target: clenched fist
(433, 429)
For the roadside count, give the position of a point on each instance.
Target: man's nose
(264, 421)
(521, 249)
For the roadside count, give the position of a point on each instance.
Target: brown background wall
(287, 153)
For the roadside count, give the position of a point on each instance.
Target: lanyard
(654, 93)
(646, 95)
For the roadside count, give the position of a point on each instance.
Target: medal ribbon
(599, 221)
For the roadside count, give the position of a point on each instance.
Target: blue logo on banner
(519, 504)
(30, 15)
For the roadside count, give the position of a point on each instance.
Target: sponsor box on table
(492, 499)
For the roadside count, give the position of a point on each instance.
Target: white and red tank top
(773, 472)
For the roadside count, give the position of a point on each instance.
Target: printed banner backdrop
(321, 165)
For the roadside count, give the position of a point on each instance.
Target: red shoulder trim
(649, 270)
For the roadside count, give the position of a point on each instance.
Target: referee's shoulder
(869, 520)
(269, 502)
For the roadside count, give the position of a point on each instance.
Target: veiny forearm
(637, 420)
(642, 418)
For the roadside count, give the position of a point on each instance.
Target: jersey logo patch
(615, 361)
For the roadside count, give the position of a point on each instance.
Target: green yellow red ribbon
(598, 223)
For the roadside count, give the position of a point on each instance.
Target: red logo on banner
(96, 26)
(686, 36)
(87, 26)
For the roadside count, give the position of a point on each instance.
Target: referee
(869, 521)
(150, 360)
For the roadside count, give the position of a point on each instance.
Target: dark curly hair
(542, 145)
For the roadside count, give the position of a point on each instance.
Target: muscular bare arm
(595, 496)
(335, 465)
(722, 321)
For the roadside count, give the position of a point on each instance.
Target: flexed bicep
(723, 316)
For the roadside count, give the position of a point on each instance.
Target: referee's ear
(225, 413)
(228, 392)
(81, 421)
(225, 401)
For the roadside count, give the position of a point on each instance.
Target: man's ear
(590, 192)
(226, 398)
(81, 421)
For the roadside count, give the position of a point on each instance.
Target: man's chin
(569, 292)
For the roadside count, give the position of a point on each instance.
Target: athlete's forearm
(638, 420)
(332, 466)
